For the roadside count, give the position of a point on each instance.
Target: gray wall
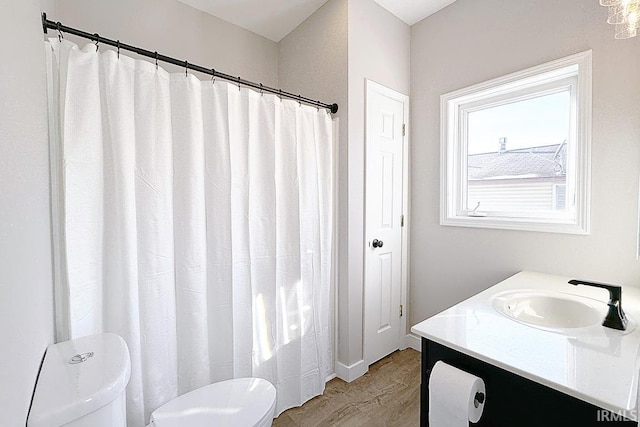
(472, 41)
(26, 291)
(177, 30)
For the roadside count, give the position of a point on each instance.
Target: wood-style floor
(387, 395)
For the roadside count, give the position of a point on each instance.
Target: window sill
(518, 224)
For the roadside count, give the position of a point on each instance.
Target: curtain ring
(118, 47)
(186, 69)
(97, 40)
(238, 83)
(213, 76)
(156, 52)
(60, 35)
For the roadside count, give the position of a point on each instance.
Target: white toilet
(232, 403)
(82, 383)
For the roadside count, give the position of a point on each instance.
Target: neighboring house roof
(548, 161)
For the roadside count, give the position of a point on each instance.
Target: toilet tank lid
(78, 377)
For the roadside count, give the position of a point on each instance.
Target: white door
(385, 188)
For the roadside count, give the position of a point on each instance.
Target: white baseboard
(358, 369)
(352, 372)
(414, 342)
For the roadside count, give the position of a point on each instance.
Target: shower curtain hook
(97, 40)
(318, 105)
(186, 69)
(280, 94)
(118, 46)
(299, 102)
(60, 35)
(261, 92)
(156, 52)
(238, 83)
(213, 76)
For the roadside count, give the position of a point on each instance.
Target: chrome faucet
(615, 319)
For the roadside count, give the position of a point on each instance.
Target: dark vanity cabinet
(514, 401)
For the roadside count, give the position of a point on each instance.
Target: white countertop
(598, 365)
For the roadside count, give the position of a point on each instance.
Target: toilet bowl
(246, 402)
(82, 383)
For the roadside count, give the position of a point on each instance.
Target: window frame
(571, 73)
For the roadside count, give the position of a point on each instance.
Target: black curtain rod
(47, 24)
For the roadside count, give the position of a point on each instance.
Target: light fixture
(625, 15)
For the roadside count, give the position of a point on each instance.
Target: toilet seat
(240, 402)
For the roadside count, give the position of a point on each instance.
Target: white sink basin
(549, 310)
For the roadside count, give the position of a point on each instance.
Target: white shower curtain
(196, 223)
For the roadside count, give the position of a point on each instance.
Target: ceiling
(412, 11)
(274, 19)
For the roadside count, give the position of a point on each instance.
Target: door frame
(371, 85)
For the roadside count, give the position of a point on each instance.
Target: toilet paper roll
(452, 397)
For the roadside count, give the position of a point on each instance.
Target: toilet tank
(82, 383)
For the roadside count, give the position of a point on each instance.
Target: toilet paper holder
(478, 399)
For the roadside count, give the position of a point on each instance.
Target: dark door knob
(377, 243)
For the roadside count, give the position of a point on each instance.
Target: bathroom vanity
(538, 344)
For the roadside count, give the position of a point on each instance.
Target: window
(516, 150)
